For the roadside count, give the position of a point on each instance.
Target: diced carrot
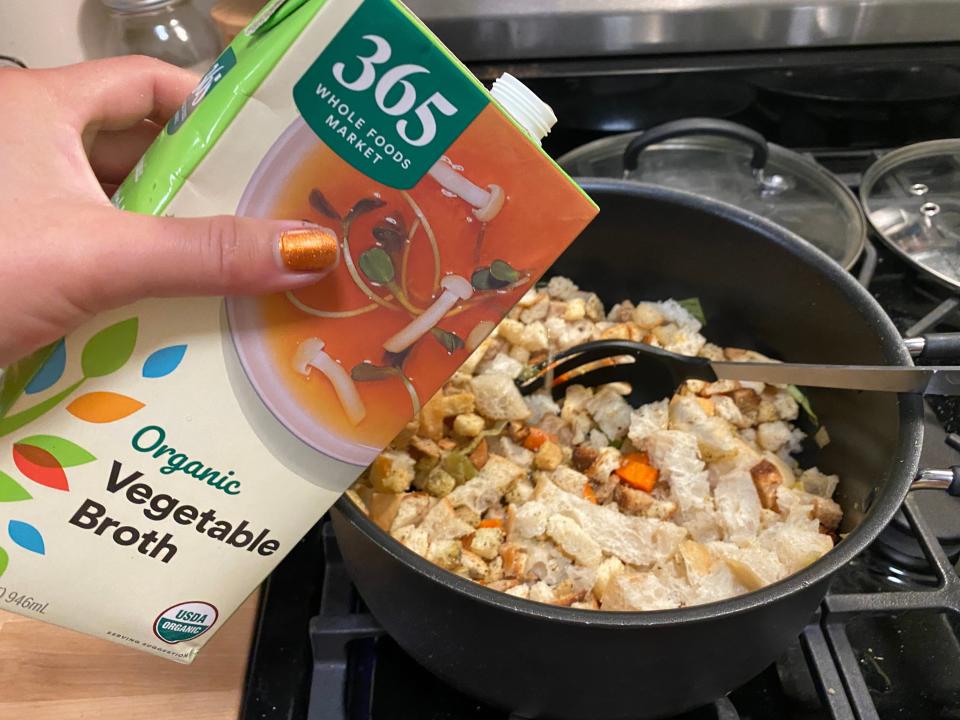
(589, 494)
(636, 471)
(535, 439)
(491, 523)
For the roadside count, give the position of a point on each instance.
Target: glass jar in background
(171, 30)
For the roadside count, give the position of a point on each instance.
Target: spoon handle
(915, 380)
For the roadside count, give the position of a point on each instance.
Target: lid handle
(935, 347)
(697, 126)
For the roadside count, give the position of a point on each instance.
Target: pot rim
(901, 474)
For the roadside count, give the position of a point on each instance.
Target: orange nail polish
(308, 249)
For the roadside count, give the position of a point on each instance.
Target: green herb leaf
(377, 266)
(617, 443)
(362, 207)
(804, 402)
(368, 372)
(693, 306)
(450, 341)
(495, 276)
(502, 271)
(459, 466)
(389, 238)
(108, 350)
(494, 431)
(320, 203)
(397, 359)
(482, 279)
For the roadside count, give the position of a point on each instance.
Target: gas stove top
(885, 643)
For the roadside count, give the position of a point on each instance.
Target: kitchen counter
(49, 673)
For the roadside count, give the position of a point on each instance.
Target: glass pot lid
(136, 6)
(733, 164)
(912, 199)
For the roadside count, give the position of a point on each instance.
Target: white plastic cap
(533, 114)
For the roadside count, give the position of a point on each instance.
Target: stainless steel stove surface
(573, 28)
(884, 644)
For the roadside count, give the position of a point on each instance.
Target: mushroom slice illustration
(311, 354)
(455, 289)
(486, 202)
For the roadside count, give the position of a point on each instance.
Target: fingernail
(310, 249)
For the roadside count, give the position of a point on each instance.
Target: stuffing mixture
(591, 503)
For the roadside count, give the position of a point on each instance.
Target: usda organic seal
(184, 621)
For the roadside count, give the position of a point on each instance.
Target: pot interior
(766, 290)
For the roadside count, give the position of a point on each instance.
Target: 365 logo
(185, 621)
(385, 97)
(393, 77)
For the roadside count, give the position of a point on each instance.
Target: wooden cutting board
(48, 673)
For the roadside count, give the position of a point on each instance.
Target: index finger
(118, 93)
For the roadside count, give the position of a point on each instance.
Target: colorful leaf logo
(42, 458)
(40, 466)
(4, 559)
(67, 453)
(26, 536)
(11, 491)
(164, 361)
(103, 407)
(50, 371)
(108, 350)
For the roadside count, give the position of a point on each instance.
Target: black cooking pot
(761, 288)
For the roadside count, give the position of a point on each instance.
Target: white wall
(44, 33)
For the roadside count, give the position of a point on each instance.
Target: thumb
(224, 255)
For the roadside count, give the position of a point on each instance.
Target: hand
(68, 137)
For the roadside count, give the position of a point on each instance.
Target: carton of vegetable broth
(156, 464)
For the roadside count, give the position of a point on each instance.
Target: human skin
(68, 137)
